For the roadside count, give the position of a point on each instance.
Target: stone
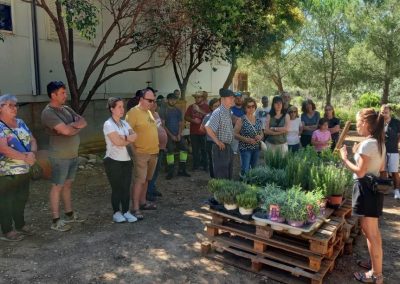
(82, 161)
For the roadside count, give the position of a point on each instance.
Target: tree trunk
(183, 87)
(385, 94)
(231, 74)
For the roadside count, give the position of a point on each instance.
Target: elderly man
(63, 125)
(220, 129)
(145, 150)
(286, 101)
(195, 114)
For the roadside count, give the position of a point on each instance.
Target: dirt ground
(163, 248)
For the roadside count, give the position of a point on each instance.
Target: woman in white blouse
(117, 162)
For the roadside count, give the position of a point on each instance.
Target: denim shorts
(63, 169)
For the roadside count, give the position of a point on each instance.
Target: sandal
(368, 277)
(148, 206)
(365, 264)
(138, 214)
(12, 236)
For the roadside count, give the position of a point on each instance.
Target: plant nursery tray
(307, 228)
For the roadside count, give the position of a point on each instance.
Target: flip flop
(148, 206)
(368, 277)
(138, 214)
(12, 237)
(364, 264)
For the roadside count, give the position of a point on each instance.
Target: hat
(172, 96)
(225, 93)
(238, 94)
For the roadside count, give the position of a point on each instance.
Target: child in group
(321, 138)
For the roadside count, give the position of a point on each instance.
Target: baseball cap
(225, 93)
(172, 96)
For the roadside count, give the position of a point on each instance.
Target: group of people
(138, 140)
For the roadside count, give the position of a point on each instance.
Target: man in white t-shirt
(262, 112)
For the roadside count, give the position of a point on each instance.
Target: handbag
(381, 185)
(35, 170)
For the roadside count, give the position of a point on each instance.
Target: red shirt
(193, 113)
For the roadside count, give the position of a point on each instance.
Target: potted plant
(247, 202)
(295, 207)
(332, 180)
(228, 192)
(273, 198)
(261, 176)
(313, 200)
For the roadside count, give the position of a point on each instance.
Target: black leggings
(210, 161)
(14, 193)
(119, 175)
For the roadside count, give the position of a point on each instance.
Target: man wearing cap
(237, 112)
(195, 114)
(63, 125)
(262, 112)
(171, 117)
(220, 129)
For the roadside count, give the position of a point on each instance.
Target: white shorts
(392, 162)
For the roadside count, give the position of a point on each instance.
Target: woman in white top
(117, 162)
(294, 129)
(367, 203)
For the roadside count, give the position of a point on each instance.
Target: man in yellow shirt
(145, 150)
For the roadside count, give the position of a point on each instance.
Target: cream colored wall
(16, 64)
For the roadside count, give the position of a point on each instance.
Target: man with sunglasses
(63, 125)
(145, 150)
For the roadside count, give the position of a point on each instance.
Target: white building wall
(16, 64)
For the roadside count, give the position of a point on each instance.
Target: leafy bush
(276, 160)
(346, 114)
(225, 191)
(295, 207)
(369, 100)
(260, 176)
(272, 194)
(247, 199)
(332, 180)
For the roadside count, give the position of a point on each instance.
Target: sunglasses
(251, 106)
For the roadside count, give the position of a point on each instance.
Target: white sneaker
(396, 194)
(118, 218)
(129, 217)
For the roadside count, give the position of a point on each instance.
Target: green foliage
(260, 176)
(81, 15)
(225, 191)
(295, 207)
(369, 100)
(330, 179)
(276, 160)
(272, 194)
(346, 114)
(247, 199)
(313, 198)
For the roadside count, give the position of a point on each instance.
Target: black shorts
(366, 202)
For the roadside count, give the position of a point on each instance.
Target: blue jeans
(152, 184)
(248, 158)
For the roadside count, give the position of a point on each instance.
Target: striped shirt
(221, 124)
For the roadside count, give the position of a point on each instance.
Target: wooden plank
(270, 252)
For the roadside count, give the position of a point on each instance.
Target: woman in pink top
(321, 138)
(152, 192)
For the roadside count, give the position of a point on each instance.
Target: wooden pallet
(344, 210)
(319, 242)
(278, 266)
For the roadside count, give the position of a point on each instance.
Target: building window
(5, 17)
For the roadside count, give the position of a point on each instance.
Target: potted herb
(247, 202)
(228, 192)
(273, 198)
(295, 207)
(261, 176)
(313, 199)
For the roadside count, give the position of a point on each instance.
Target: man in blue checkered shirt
(220, 129)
